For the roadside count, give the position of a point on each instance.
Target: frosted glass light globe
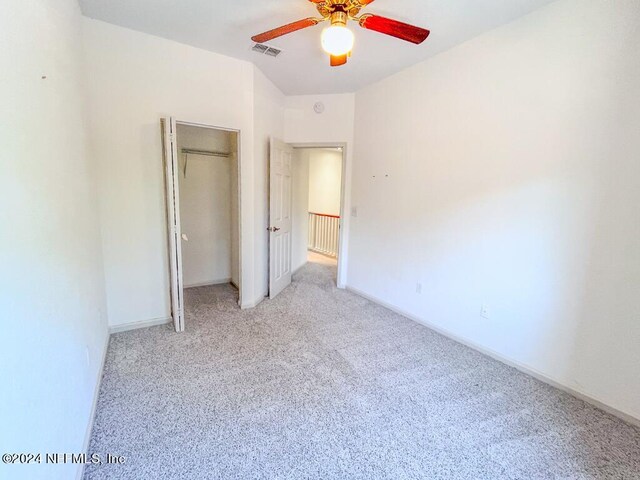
(337, 40)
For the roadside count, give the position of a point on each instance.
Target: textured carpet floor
(322, 384)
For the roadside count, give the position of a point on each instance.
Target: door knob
(273, 229)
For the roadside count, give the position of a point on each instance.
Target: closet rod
(207, 153)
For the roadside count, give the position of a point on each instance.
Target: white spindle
(324, 231)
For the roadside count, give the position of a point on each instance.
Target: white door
(170, 159)
(280, 156)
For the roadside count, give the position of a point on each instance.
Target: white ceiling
(303, 68)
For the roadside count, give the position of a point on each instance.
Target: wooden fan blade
(397, 29)
(337, 60)
(284, 29)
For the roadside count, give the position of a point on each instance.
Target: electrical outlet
(354, 211)
(484, 311)
(418, 287)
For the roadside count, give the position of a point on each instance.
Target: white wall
(53, 319)
(300, 210)
(335, 125)
(325, 181)
(133, 80)
(514, 181)
(268, 115)
(205, 205)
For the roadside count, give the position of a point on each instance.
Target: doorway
(203, 211)
(317, 205)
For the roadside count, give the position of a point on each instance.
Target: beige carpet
(321, 384)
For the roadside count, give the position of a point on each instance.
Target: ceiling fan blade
(397, 29)
(284, 29)
(337, 60)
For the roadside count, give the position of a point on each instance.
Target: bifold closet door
(170, 160)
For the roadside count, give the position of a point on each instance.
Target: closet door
(170, 160)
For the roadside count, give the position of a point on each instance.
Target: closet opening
(203, 210)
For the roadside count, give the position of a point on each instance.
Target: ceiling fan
(337, 39)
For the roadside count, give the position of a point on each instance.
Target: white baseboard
(206, 284)
(94, 406)
(627, 417)
(139, 324)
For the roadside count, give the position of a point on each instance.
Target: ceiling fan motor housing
(350, 7)
(339, 18)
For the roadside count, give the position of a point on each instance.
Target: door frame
(239, 201)
(341, 277)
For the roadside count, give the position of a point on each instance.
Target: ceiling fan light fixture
(337, 40)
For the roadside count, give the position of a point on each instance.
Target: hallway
(321, 383)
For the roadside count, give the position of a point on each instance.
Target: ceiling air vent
(266, 49)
